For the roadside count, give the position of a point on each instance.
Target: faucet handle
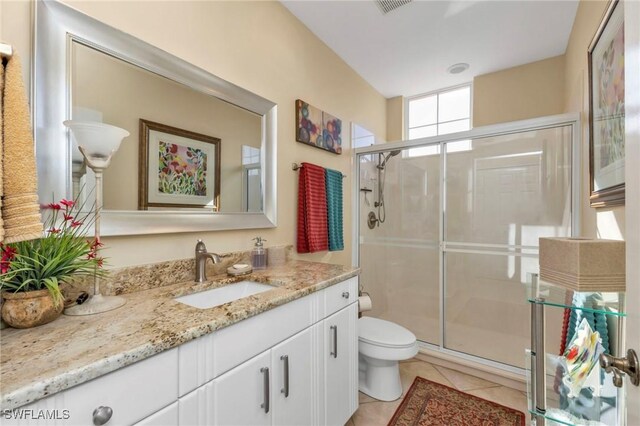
(200, 247)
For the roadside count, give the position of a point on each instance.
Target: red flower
(53, 231)
(91, 255)
(54, 206)
(67, 217)
(99, 261)
(8, 254)
(96, 244)
(67, 203)
(75, 224)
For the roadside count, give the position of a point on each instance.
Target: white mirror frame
(57, 26)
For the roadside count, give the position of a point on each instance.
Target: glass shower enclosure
(449, 226)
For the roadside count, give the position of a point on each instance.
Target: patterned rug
(430, 404)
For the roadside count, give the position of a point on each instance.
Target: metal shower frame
(572, 120)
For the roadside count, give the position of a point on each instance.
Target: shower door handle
(334, 328)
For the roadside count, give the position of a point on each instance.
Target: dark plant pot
(28, 309)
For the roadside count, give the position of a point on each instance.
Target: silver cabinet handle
(334, 328)
(102, 415)
(345, 294)
(265, 375)
(285, 389)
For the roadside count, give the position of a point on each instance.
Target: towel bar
(296, 166)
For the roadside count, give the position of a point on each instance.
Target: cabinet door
(196, 407)
(296, 379)
(168, 416)
(243, 396)
(341, 365)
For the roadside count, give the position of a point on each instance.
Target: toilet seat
(384, 340)
(379, 332)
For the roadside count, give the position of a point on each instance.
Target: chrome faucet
(201, 261)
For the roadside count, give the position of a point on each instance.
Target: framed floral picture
(178, 168)
(607, 110)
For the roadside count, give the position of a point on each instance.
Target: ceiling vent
(387, 6)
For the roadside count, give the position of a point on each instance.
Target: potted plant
(32, 272)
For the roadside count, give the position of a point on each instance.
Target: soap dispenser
(259, 254)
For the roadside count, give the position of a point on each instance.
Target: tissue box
(583, 264)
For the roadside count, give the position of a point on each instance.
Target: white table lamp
(97, 142)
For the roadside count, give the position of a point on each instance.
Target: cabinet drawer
(132, 393)
(245, 339)
(340, 295)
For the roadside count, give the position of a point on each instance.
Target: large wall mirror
(201, 151)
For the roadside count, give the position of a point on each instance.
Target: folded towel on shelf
(334, 209)
(312, 209)
(20, 207)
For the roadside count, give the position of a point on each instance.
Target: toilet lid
(384, 333)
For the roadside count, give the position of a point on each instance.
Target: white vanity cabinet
(165, 417)
(341, 365)
(296, 364)
(280, 386)
(124, 397)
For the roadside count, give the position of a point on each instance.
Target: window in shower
(439, 113)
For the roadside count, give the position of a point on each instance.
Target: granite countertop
(41, 361)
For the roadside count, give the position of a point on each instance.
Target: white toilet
(381, 344)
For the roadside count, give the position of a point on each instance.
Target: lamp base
(96, 305)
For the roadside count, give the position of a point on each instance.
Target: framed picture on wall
(318, 128)
(178, 168)
(606, 106)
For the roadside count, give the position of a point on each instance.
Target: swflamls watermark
(30, 414)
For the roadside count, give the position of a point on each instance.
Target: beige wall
(526, 91)
(124, 94)
(602, 223)
(552, 86)
(395, 119)
(263, 48)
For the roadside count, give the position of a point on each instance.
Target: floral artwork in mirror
(178, 168)
(607, 110)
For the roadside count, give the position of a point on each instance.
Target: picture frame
(178, 168)
(606, 110)
(317, 128)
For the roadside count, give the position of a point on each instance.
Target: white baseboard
(472, 368)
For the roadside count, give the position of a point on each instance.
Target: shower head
(387, 157)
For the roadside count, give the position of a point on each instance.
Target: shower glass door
(502, 194)
(455, 222)
(400, 254)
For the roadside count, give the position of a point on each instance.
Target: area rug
(430, 404)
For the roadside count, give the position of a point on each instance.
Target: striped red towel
(312, 210)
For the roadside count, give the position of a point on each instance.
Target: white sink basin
(221, 295)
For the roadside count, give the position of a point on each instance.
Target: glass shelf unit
(598, 402)
(608, 303)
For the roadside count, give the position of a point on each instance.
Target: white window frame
(407, 100)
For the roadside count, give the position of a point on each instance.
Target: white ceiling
(408, 50)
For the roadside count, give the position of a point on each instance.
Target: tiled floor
(377, 413)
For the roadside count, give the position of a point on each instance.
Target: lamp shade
(97, 140)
